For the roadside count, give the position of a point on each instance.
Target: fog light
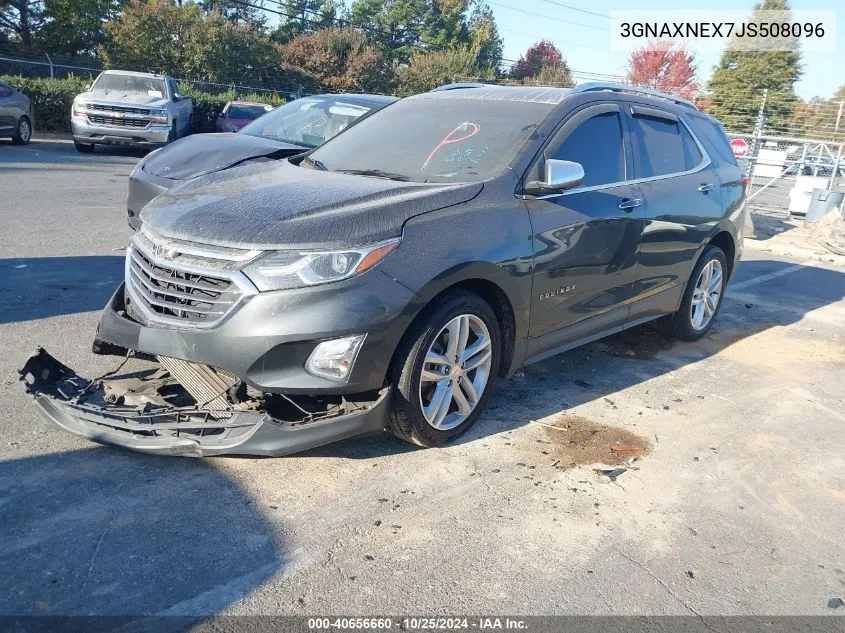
(334, 359)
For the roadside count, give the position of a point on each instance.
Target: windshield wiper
(316, 164)
(375, 173)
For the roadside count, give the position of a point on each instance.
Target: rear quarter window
(712, 135)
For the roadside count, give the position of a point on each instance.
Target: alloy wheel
(707, 294)
(455, 372)
(24, 131)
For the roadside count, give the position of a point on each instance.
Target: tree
(395, 26)
(76, 27)
(542, 54)
(182, 41)
(558, 76)
(822, 119)
(303, 16)
(340, 59)
(737, 84)
(20, 20)
(664, 67)
(484, 35)
(236, 11)
(445, 26)
(429, 69)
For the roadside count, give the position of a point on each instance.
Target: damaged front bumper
(149, 411)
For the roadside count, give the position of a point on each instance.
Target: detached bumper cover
(77, 405)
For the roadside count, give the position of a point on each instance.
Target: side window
(597, 145)
(174, 89)
(713, 136)
(5, 91)
(692, 155)
(659, 146)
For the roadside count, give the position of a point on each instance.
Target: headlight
(79, 109)
(159, 116)
(281, 270)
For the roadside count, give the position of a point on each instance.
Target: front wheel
(444, 369)
(84, 148)
(702, 297)
(23, 132)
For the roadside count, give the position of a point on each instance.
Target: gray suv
(386, 278)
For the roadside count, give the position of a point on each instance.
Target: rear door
(585, 239)
(8, 109)
(682, 205)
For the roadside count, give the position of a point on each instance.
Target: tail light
(745, 180)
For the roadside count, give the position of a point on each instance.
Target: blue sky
(584, 38)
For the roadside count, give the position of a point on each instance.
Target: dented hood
(204, 153)
(280, 206)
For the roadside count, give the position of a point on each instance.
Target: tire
(173, 134)
(682, 324)
(431, 332)
(23, 132)
(84, 148)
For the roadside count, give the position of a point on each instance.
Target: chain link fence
(60, 68)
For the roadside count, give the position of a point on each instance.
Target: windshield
(309, 122)
(130, 84)
(248, 111)
(434, 140)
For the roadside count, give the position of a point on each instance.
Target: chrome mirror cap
(562, 175)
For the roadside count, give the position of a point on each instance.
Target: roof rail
(460, 86)
(616, 87)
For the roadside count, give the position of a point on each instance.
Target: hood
(124, 98)
(281, 206)
(200, 154)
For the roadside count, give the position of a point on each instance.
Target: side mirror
(222, 115)
(560, 175)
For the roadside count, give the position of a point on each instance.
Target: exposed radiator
(207, 385)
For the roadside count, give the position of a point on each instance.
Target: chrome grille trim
(171, 293)
(100, 119)
(203, 251)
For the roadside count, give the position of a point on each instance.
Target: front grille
(118, 108)
(99, 119)
(178, 296)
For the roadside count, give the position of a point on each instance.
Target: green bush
(52, 100)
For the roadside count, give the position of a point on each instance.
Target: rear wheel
(444, 369)
(85, 148)
(23, 132)
(702, 297)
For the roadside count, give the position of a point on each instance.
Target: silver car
(16, 118)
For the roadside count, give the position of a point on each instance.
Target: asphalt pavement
(735, 504)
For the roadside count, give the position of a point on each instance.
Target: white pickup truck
(128, 108)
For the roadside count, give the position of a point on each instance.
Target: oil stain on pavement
(575, 440)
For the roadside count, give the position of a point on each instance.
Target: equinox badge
(560, 291)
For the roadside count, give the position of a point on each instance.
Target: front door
(585, 239)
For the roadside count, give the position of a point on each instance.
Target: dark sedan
(290, 129)
(15, 115)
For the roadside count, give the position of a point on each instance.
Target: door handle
(709, 186)
(630, 203)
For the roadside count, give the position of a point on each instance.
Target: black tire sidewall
(683, 317)
(17, 138)
(409, 381)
